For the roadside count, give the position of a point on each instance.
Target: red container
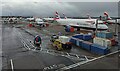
(30, 25)
(71, 29)
(113, 42)
(47, 25)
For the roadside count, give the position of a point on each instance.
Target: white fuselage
(48, 19)
(114, 21)
(29, 19)
(82, 23)
(39, 21)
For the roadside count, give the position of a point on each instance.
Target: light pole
(116, 28)
(96, 26)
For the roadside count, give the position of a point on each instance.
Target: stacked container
(78, 36)
(64, 39)
(81, 43)
(87, 37)
(86, 45)
(104, 39)
(113, 42)
(76, 41)
(83, 36)
(72, 40)
(106, 35)
(102, 42)
(98, 49)
(93, 47)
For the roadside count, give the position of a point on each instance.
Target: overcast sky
(46, 8)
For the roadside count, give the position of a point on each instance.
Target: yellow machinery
(57, 44)
(61, 44)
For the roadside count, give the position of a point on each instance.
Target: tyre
(38, 48)
(38, 44)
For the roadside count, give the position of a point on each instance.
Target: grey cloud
(45, 9)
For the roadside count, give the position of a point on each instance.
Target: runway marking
(30, 46)
(77, 56)
(86, 57)
(24, 42)
(68, 55)
(11, 61)
(80, 63)
(54, 66)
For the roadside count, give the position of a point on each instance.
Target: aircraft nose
(103, 26)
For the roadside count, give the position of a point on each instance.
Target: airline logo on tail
(107, 16)
(57, 16)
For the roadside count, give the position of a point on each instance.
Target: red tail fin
(105, 13)
(56, 13)
(107, 16)
(56, 16)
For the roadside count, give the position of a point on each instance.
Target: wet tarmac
(111, 62)
(16, 52)
(0, 46)
(23, 59)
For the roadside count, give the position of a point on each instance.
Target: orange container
(113, 42)
(71, 29)
(47, 25)
(30, 25)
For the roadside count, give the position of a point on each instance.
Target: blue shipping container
(79, 36)
(67, 29)
(98, 34)
(98, 49)
(80, 43)
(73, 40)
(67, 26)
(87, 37)
(86, 45)
(109, 35)
(105, 35)
(77, 42)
